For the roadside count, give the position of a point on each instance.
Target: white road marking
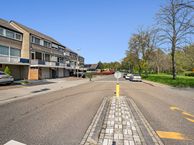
(13, 142)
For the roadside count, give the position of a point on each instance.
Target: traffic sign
(117, 75)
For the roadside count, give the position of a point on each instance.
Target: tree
(141, 46)
(187, 4)
(112, 65)
(7, 71)
(100, 65)
(156, 61)
(188, 57)
(175, 24)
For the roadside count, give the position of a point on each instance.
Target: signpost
(117, 75)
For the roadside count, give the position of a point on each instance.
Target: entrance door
(53, 73)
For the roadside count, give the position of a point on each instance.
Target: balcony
(13, 60)
(50, 63)
(37, 62)
(42, 63)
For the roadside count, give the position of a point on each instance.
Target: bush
(25, 82)
(189, 74)
(180, 81)
(89, 75)
(7, 71)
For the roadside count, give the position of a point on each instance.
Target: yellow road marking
(191, 120)
(171, 135)
(187, 114)
(175, 108)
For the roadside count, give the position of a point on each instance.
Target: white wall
(66, 73)
(45, 73)
(60, 72)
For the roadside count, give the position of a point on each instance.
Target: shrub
(89, 75)
(190, 74)
(7, 71)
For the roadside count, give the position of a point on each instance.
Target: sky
(100, 29)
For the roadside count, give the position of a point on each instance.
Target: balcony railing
(46, 63)
(7, 59)
(37, 62)
(50, 63)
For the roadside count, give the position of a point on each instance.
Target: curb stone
(87, 139)
(150, 130)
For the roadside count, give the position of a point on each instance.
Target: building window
(47, 44)
(4, 50)
(15, 52)
(55, 46)
(32, 55)
(9, 34)
(35, 40)
(18, 36)
(39, 55)
(47, 57)
(41, 42)
(59, 59)
(54, 58)
(1, 31)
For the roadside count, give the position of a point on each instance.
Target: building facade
(11, 52)
(42, 56)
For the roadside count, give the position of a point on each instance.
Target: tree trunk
(173, 63)
(140, 70)
(158, 69)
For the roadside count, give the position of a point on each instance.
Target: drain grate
(42, 90)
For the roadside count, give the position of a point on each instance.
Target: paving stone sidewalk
(9, 95)
(120, 126)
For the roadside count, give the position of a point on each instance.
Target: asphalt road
(62, 117)
(166, 109)
(169, 110)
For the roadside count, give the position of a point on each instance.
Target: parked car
(127, 77)
(5, 79)
(124, 75)
(135, 78)
(80, 74)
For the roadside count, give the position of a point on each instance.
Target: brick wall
(25, 52)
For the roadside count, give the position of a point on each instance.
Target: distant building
(33, 55)
(91, 67)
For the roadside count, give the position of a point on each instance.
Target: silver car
(5, 79)
(127, 77)
(135, 78)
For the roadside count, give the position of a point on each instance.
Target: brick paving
(120, 126)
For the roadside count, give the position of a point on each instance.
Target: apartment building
(81, 61)
(11, 52)
(44, 56)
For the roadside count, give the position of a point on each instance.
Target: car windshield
(136, 75)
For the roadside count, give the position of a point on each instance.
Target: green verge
(181, 81)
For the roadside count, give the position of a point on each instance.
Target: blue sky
(99, 28)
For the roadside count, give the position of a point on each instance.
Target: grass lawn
(181, 81)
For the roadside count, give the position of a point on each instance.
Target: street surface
(62, 117)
